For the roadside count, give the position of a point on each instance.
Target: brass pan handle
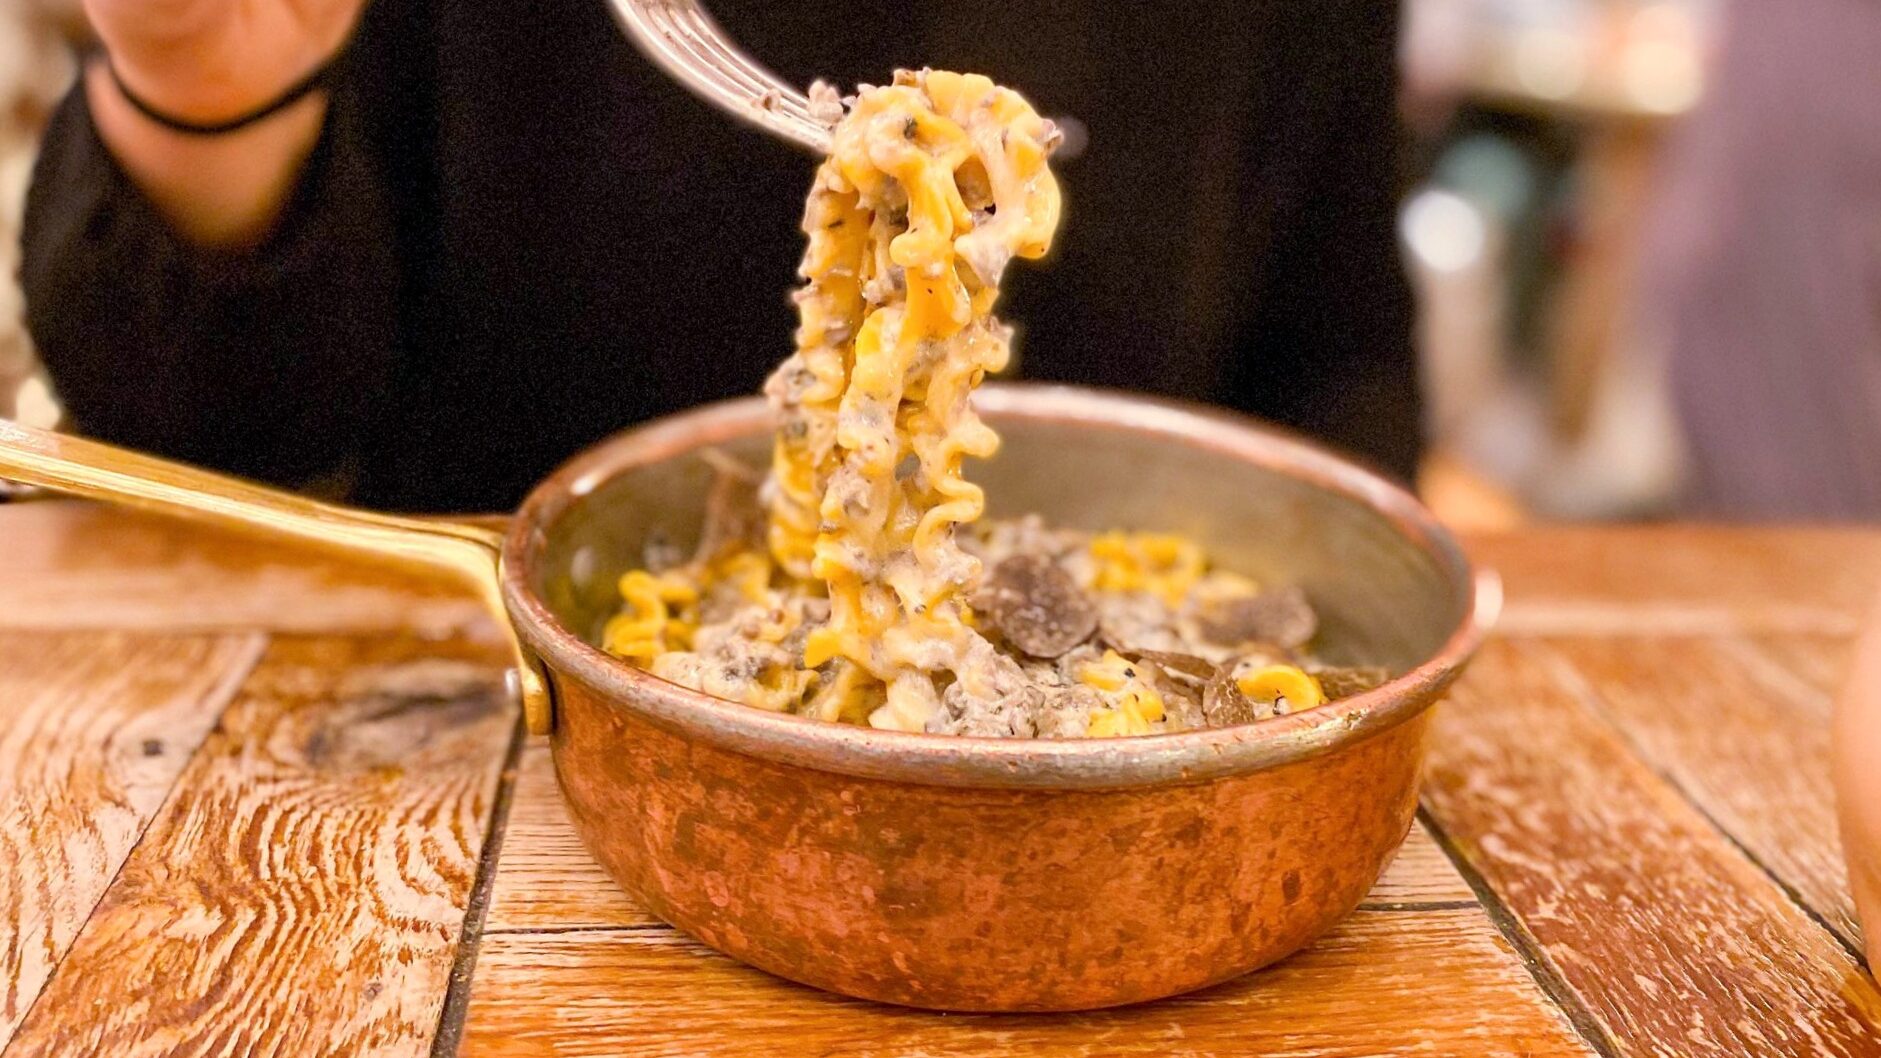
(469, 554)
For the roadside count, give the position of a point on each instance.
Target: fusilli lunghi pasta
(933, 184)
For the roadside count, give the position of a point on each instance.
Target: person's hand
(1857, 767)
(210, 60)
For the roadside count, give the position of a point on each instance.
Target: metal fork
(685, 42)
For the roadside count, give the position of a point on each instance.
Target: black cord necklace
(296, 92)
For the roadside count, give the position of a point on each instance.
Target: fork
(684, 41)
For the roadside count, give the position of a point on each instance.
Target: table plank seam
(450, 1031)
(1416, 905)
(549, 931)
(1773, 677)
(1795, 896)
(1526, 947)
(217, 701)
(1590, 700)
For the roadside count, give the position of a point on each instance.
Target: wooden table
(258, 803)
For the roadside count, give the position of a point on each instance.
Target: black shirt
(516, 236)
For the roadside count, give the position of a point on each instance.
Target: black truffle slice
(1282, 617)
(1183, 678)
(1036, 606)
(1186, 669)
(1346, 681)
(1224, 705)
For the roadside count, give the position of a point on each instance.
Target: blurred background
(1557, 170)
(1536, 127)
(36, 66)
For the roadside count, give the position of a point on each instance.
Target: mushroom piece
(1183, 680)
(1186, 669)
(1224, 705)
(1282, 617)
(1345, 681)
(1036, 606)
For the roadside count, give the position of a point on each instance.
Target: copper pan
(928, 870)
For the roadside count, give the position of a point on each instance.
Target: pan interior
(1382, 598)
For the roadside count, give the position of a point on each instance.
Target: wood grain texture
(546, 880)
(1438, 982)
(94, 729)
(1421, 875)
(303, 889)
(1681, 579)
(1709, 713)
(1820, 661)
(72, 565)
(1673, 940)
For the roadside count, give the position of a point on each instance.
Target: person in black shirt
(497, 234)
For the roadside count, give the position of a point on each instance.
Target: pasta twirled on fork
(934, 183)
(848, 593)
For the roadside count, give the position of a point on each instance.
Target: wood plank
(94, 729)
(72, 565)
(1669, 937)
(546, 880)
(1821, 661)
(1427, 982)
(1421, 876)
(1683, 579)
(1707, 713)
(304, 888)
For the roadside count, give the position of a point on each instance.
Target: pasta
(1158, 562)
(933, 184)
(854, 587)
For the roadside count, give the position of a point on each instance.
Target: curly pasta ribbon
(933, 184)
